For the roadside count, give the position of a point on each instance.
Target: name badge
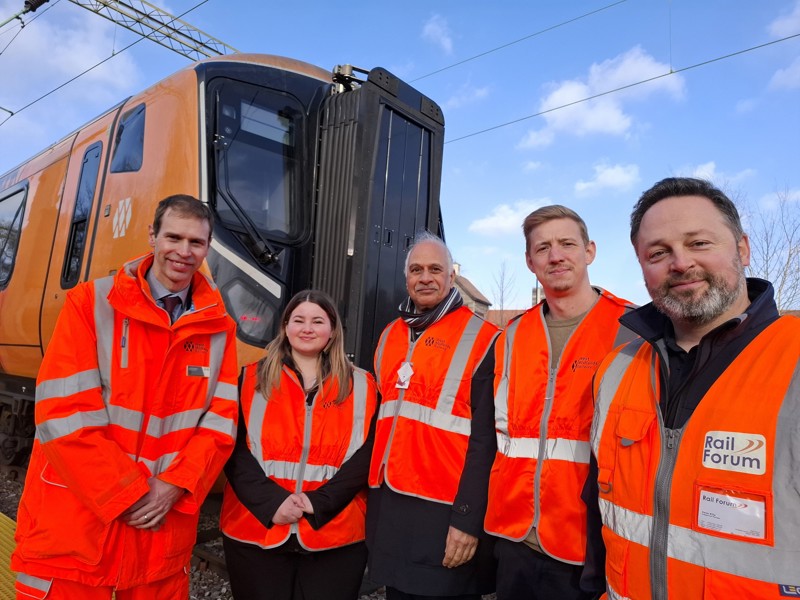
(732, 513)
(198, 371)
(404, 374)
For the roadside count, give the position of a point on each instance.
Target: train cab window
(80, 217)
(257, 158)
(129, 142)
(12, 208)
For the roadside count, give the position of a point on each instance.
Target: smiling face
(179, 247)
(427, 280)
(558, 256)
(308, 330)
(693, 266)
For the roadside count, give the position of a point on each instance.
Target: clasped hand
(292, 509)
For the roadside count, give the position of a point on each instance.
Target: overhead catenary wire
(84, 72)
(522, 39)
(624, 87)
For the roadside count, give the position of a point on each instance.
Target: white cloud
(788, 78)
(606, 114)
(437, 31)
(721, 179)
(531, 165)
(506, 219)
(467, 94)
(609, 177)
(746, 106)
(788, 24)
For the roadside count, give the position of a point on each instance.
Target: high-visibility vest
(301, 447)
(709, 510)
(123, 395)
(542, 417)
(423, 430)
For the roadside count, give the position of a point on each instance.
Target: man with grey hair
(434, 440)
(696, 423)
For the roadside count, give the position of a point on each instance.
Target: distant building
(473, 299)
(502, 317)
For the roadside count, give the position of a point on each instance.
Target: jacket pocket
(53, 523)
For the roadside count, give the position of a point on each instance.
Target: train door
(78, 214)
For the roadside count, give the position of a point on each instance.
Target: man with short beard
(696, 432)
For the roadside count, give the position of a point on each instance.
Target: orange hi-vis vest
(301, 447)
(542, 417)
(123, 395)
(711, 510)
(423, 429)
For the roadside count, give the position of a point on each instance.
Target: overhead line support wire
(624, 87)
(522, 39)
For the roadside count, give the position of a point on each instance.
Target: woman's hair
(332, 363)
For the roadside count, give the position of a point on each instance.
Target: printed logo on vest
(733, 451)
(584, 362)
(789, 591)
(195, 347)
(437, 343)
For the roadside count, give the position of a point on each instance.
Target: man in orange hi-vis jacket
(544, 363)
(136, 407)
(696, 431)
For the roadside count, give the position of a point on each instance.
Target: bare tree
(503, 288)
(774, 232)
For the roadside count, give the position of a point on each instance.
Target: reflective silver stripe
(53, 429)
(753, 561)
(37, 583)
(613, 595)
(227, 391)
(357, 433)
(67, 386)
(428, 416)
(608, 389)
(187, 419)
(125, 417)
(785, 470)
(458, 365)
(501, 395)
(555, 449)
(104, 329)
(632, 526)
(291, 470)
(379, 351)
(158, 466)
(255, 423)
(215, 422)
(216, 354)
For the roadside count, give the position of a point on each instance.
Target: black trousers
(524, 573)
(284, 573)
(394, 594)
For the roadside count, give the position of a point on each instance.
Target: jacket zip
(124, 344)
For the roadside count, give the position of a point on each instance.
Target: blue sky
(500, 71)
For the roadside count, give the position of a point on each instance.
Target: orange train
(316, 180)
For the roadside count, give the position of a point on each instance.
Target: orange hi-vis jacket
(711, 510)
(121, 396)
(300, 447)
(542, 417)
(423, 430)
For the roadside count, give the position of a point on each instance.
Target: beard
(699, 309)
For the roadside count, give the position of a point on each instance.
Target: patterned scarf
(419, 321)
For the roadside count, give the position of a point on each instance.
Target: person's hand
(459, 549)
(307, 506)
(289, 511)
(149, 511)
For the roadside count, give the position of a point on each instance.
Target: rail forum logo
(734, 451)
